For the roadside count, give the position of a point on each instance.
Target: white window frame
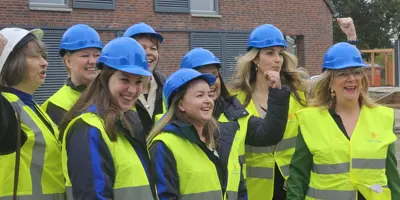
(214, 12)
(45, 6)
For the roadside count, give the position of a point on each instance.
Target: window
(203, 6)
(207, 7)
(94, 4)
(291, 43)
(49, 3)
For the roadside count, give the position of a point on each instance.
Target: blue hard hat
(142, 28)
(80, 36)
(125, 54)
(266, 35)
(198, 57)
(341, 56)
(180, 78)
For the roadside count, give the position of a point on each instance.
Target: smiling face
(215, 89)
(125, 88)
(150, 46)
(82, 65)
(347, 84)
(196, 104)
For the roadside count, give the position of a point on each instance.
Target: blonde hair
(303, 73)
(66, 56)
(210, 129)
(322, 94)
(245, 75)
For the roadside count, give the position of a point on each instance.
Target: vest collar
(183, 130)
(78, 88)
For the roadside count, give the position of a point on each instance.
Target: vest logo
(291, 118)
(373, 135)
(373, 138)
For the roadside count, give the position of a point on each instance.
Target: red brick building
(219, 25)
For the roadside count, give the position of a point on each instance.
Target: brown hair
(14, 69)
(153, 39)
(322, 94)
(98, 93)
(245, 75)
(210, 129)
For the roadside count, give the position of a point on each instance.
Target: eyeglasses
(357, 73)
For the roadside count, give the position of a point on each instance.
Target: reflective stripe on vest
(37, 156)
(261, 160)
(285, 144)
(332, 194)
(341, 167)
(60, 196)
(212, 195)
(128, 193)
(132, 181)
(198, 177)
(260, 172)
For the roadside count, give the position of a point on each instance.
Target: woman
(345, 147)
(104, 152)
(267, 167)
(150, 102)
(79, 48)
(236, 125)
(29, 151)
(182, 144)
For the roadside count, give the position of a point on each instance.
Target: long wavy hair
(99, 94)
(245, 75)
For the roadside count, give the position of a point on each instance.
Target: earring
(332, 93)
(258, 65)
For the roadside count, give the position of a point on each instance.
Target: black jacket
(266, 131)
(147, 120)
(85, 179)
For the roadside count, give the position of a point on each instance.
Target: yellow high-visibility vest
(198, 177)
(40, 176)
(341, 167)
(260, 161)
(64, 98)
(130, 179)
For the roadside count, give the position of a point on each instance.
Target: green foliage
(377, 22)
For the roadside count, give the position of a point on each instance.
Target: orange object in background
(377, 75)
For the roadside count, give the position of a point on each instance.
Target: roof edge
(335, 13)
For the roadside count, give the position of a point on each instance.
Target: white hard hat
(13, 36)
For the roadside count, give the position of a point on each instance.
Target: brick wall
(310, 18)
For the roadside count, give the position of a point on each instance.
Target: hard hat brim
(155, 35)
(346, 66)
(39, 33)
(134, 70)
